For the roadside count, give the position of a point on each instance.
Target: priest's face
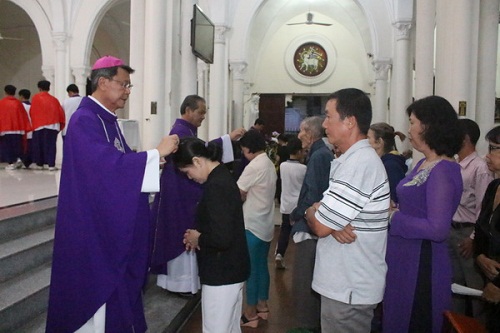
(196, 116)
(117, 90)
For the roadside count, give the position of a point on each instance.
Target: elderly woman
(382, 138)
(487, 238)
(419, 268)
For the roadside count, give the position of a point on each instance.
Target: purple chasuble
(102, 227)
(174, 207)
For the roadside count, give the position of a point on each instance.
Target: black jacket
(223, 256)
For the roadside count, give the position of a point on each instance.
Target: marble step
(24, 298)
(25, 253)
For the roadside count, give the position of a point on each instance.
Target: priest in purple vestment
(102, 229)
(174, 207)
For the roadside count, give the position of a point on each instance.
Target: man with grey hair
(102, 242)
(307, 301)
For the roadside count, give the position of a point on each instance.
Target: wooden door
(272, 111)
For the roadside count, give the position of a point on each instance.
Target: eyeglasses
(492, 148)
(125, 85)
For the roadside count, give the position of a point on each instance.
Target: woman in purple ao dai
(418, 285)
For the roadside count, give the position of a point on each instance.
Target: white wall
(350, 62)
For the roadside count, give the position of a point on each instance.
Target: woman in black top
(487, 235)
(219, 237)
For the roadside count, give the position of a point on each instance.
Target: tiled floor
(26, 185)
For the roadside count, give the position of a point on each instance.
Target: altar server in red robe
(14, 124)
(47, 118)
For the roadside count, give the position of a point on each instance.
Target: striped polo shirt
(358, 194)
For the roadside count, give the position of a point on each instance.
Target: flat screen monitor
(202, 36)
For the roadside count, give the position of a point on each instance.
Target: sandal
(253, 322)
(263, 314)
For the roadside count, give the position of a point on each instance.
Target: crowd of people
(377, 244)
(29, 129)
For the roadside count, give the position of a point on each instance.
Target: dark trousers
(307, 302)
(44, 147)
(27, 156)
(492, 317)
(11, 147)
(284, 236)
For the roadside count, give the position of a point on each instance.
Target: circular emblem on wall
(310, 59)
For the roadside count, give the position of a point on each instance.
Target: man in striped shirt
(351, 220)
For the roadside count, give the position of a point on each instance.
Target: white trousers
(96, 324)
(221, 308)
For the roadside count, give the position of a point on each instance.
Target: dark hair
(282, 137)
(25, 93)
(191, 101)
(470, 128)
(254, 141)
(73, 88)
(294, 145)
(10, 89)
(387, 133)
(314, 126)
(259, 121)
(43, 85)
(493, 135)
(352, 102)
(190, 147)
(107, 73)
(442, 131)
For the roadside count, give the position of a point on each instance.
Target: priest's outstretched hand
(168, 145)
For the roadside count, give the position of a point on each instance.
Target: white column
(249, 105)
(238, 70)
(188, 61)
(217, 113)
(453, 51)
(137, 37)
(381, 68)
(203, 76)
(58, 86)
(48, 73)
(487, 61)
(424, 50)
(401, 79)
(154, 67)
(81, 73)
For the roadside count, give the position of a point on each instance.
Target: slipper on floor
(253, 322)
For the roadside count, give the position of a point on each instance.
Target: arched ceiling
(272, 15)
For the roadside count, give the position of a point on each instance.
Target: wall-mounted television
(202, 36)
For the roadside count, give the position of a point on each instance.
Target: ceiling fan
(310, 21)
(9, 38)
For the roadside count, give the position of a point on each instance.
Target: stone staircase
(26, 240)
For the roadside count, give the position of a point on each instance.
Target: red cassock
(46, 110)
(13, 117)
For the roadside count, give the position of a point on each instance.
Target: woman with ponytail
(382, 138)
(219, 237)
